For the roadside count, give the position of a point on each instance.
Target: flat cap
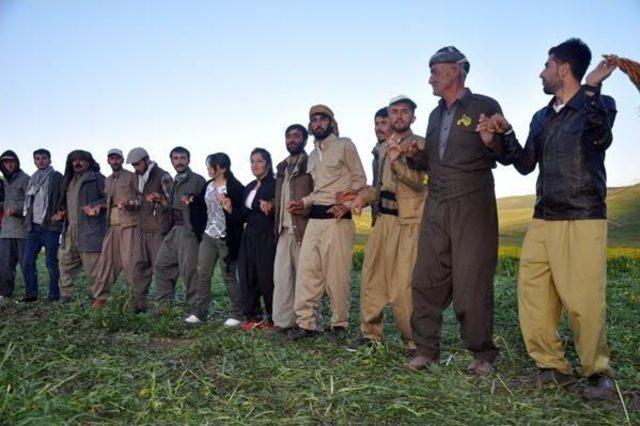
(404, 99)
(450, 55)
(115, 151)
(136, 154)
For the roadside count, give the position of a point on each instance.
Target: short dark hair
(576, 53)
(301, 128)
(220, 160)
(382, 113)
(42, 151)
(267, 157)
(180, 150)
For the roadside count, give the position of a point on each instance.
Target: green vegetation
(623, 210)
(68, 364)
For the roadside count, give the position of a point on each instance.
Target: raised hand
(187, 199)
(410, 150)
(225, 202)
(338, 210)
(266, 207)
(487, 129)
(356, 205)
(295, 207)
(345, 196)
(601, 72)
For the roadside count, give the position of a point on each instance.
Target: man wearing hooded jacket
(14, 231)
(84, 221)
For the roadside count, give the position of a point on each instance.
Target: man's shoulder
(484, 100)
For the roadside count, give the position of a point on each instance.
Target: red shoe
(249, 325)
(266, 326)
(98, 304)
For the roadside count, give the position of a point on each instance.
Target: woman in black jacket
(258, 248)
(217, 218)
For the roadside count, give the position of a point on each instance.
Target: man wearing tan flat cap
(325, 254)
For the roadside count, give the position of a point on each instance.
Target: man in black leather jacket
(563, 260)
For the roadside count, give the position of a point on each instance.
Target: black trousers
(456, 261)
(255, 270)
(11, 254)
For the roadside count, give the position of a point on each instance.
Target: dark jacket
(569, 149)
(467, 163)
(255, 218)
(55, 198)
(15, 191)
(300, 185)
(234, 221)
(91, 229)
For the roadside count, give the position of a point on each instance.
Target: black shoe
(600, 388)
(51, 299)
(283, 331)
(360, 342)
(29, 299)
(338, 334)
(301, 333)
(547, 376)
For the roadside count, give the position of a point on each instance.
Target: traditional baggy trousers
(116, 255)
(71, 260)
(457, 256)
(324, 266)
(389, 259)
(177, 257)
(563, 264)
(146, 246)
(255, 269)
(284, 281)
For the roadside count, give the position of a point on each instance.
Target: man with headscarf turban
(84, 221)
(325, 254)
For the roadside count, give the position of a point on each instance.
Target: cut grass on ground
(67, 364)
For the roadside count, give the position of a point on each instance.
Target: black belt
(385, 209)
(322, 212)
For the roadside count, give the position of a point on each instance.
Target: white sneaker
(230, 322)
(192, 319)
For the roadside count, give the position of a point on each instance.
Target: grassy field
(67, 364)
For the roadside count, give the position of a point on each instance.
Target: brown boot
(98, 304)
(419, 362)
(479, 368)
(548, 376)
(600, 388)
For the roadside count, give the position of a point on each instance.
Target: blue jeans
(38, 238)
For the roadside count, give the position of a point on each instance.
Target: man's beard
(115, 167)
(322, 134)
(400, 129)
(549, 88)
(295, 149)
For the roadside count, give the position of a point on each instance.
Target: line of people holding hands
(285, 240)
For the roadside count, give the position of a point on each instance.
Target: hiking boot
(548, 376)
(600, 388)
(301, 333)
(361, 341)
(283, 331)
(479, 368)
(29, 299)
(420, 362)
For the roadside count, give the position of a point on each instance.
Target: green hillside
(514, 213)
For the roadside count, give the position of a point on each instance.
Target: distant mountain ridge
(515, 213)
